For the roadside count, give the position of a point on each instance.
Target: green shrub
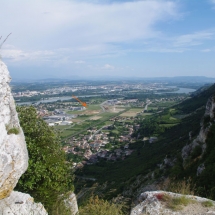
(96, 206)
(206, 120)
(197, 151)
(48, 175)
(13, 131)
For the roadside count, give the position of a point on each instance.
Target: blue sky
(70, 38)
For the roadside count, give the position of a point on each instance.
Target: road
(147, 104)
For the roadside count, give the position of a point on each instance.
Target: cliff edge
(13, 155)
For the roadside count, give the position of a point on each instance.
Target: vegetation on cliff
(48, 175)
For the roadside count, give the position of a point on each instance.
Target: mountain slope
(151, 163)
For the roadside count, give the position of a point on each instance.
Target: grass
(81, 126)
(183, 187)
(97, 206)
(174, 203)
(75, 111)
(168, 125)
(94, 107)
(207, 204)
(180, 116)
(132, 112)
(147, 114)
(108, 122)
(151, 108)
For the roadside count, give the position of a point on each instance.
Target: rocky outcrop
(153, 203)
(205, 127)
(21, 203)
(210, 107)
(13, 155)
(71, 204)
(200, 168)
(13, 151)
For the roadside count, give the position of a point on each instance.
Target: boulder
(153, 203)
(21, 203)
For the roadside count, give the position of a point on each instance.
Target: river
(180, 90)
(64, 98)
(52, 99)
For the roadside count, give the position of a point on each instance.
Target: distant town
(104, 130)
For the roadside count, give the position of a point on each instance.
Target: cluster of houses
(97, 143)
(90, 157)
(93, 146)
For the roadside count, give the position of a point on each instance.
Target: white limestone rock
(210, 107)
(13, 151)
(71, 204)
(152, 205)
(21, 204)
(201, 138)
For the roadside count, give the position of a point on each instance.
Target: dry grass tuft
(184, 187)
(207, 204)
(97, 206)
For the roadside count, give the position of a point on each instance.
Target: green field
(83, 122)
(132, 112)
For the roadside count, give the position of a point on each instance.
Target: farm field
(95, 117)
(90, 110)
(163, 104)
(91, 117)
(146, 114)
(132, 112)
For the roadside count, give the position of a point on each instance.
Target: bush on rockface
(97, 206)
(48, 175)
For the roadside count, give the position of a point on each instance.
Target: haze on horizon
(122, 38)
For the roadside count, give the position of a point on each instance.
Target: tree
(48, 175)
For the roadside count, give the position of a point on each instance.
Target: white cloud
(18, 55)
(206, 50)
(193, 39)
(108, 67)
(83, 28)
(166, 50)
(80, 62)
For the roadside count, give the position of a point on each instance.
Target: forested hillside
(151, 163)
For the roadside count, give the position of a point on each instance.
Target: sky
(101, 38)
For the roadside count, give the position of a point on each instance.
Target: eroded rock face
(205, 127)
(210, 107)
(13, 151)
(21, 203)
